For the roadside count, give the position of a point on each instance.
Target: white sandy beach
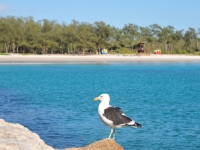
(17, 58)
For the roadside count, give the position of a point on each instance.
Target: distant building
(141, 47)
(157, 51)
(103, 51)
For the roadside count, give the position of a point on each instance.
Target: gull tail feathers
(136, 125)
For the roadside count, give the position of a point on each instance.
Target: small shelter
(141, 47)
(103, 51)
(157, 51)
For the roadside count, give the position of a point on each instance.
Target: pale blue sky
(181, 14)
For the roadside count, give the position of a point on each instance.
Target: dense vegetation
(25, 35)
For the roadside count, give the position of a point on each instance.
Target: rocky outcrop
(17, 137)
(105, 144)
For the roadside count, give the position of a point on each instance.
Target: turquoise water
(56, 102)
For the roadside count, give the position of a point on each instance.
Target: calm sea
(56, 102)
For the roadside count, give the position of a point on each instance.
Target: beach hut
(157, 51)
(141, 47)
(104, 51)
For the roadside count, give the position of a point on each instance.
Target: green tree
(87, 37)
(155, 30)
(59, 38)
(46, 34)
(165, 37)
(72, 36)
(130, 34)
(14, 32)
(32, 35)
(6, 33)
(198, 39)
(103, 33)
(191, 36)
(147, 36)
(177, 38)
(115, 38)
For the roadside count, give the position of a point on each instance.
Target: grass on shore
(3, 53)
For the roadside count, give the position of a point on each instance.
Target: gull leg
(111, 131)
(114, 134)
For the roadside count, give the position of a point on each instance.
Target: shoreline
(67, 59)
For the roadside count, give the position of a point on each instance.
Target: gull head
(103, 98)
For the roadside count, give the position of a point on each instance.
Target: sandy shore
(17, 58)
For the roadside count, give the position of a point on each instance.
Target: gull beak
(96, 99)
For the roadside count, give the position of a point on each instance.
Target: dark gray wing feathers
(115, 114)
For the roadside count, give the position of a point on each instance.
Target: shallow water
(56, 102)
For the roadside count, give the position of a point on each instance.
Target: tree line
(25, 35)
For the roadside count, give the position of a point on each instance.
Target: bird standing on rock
(113, 116)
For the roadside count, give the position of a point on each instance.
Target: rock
(17, 137)
(105, 144)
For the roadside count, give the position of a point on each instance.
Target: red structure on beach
(157, 51)
(141, 47)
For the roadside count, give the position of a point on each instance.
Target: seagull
(113, 116)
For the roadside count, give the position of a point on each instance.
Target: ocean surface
(57, 102)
